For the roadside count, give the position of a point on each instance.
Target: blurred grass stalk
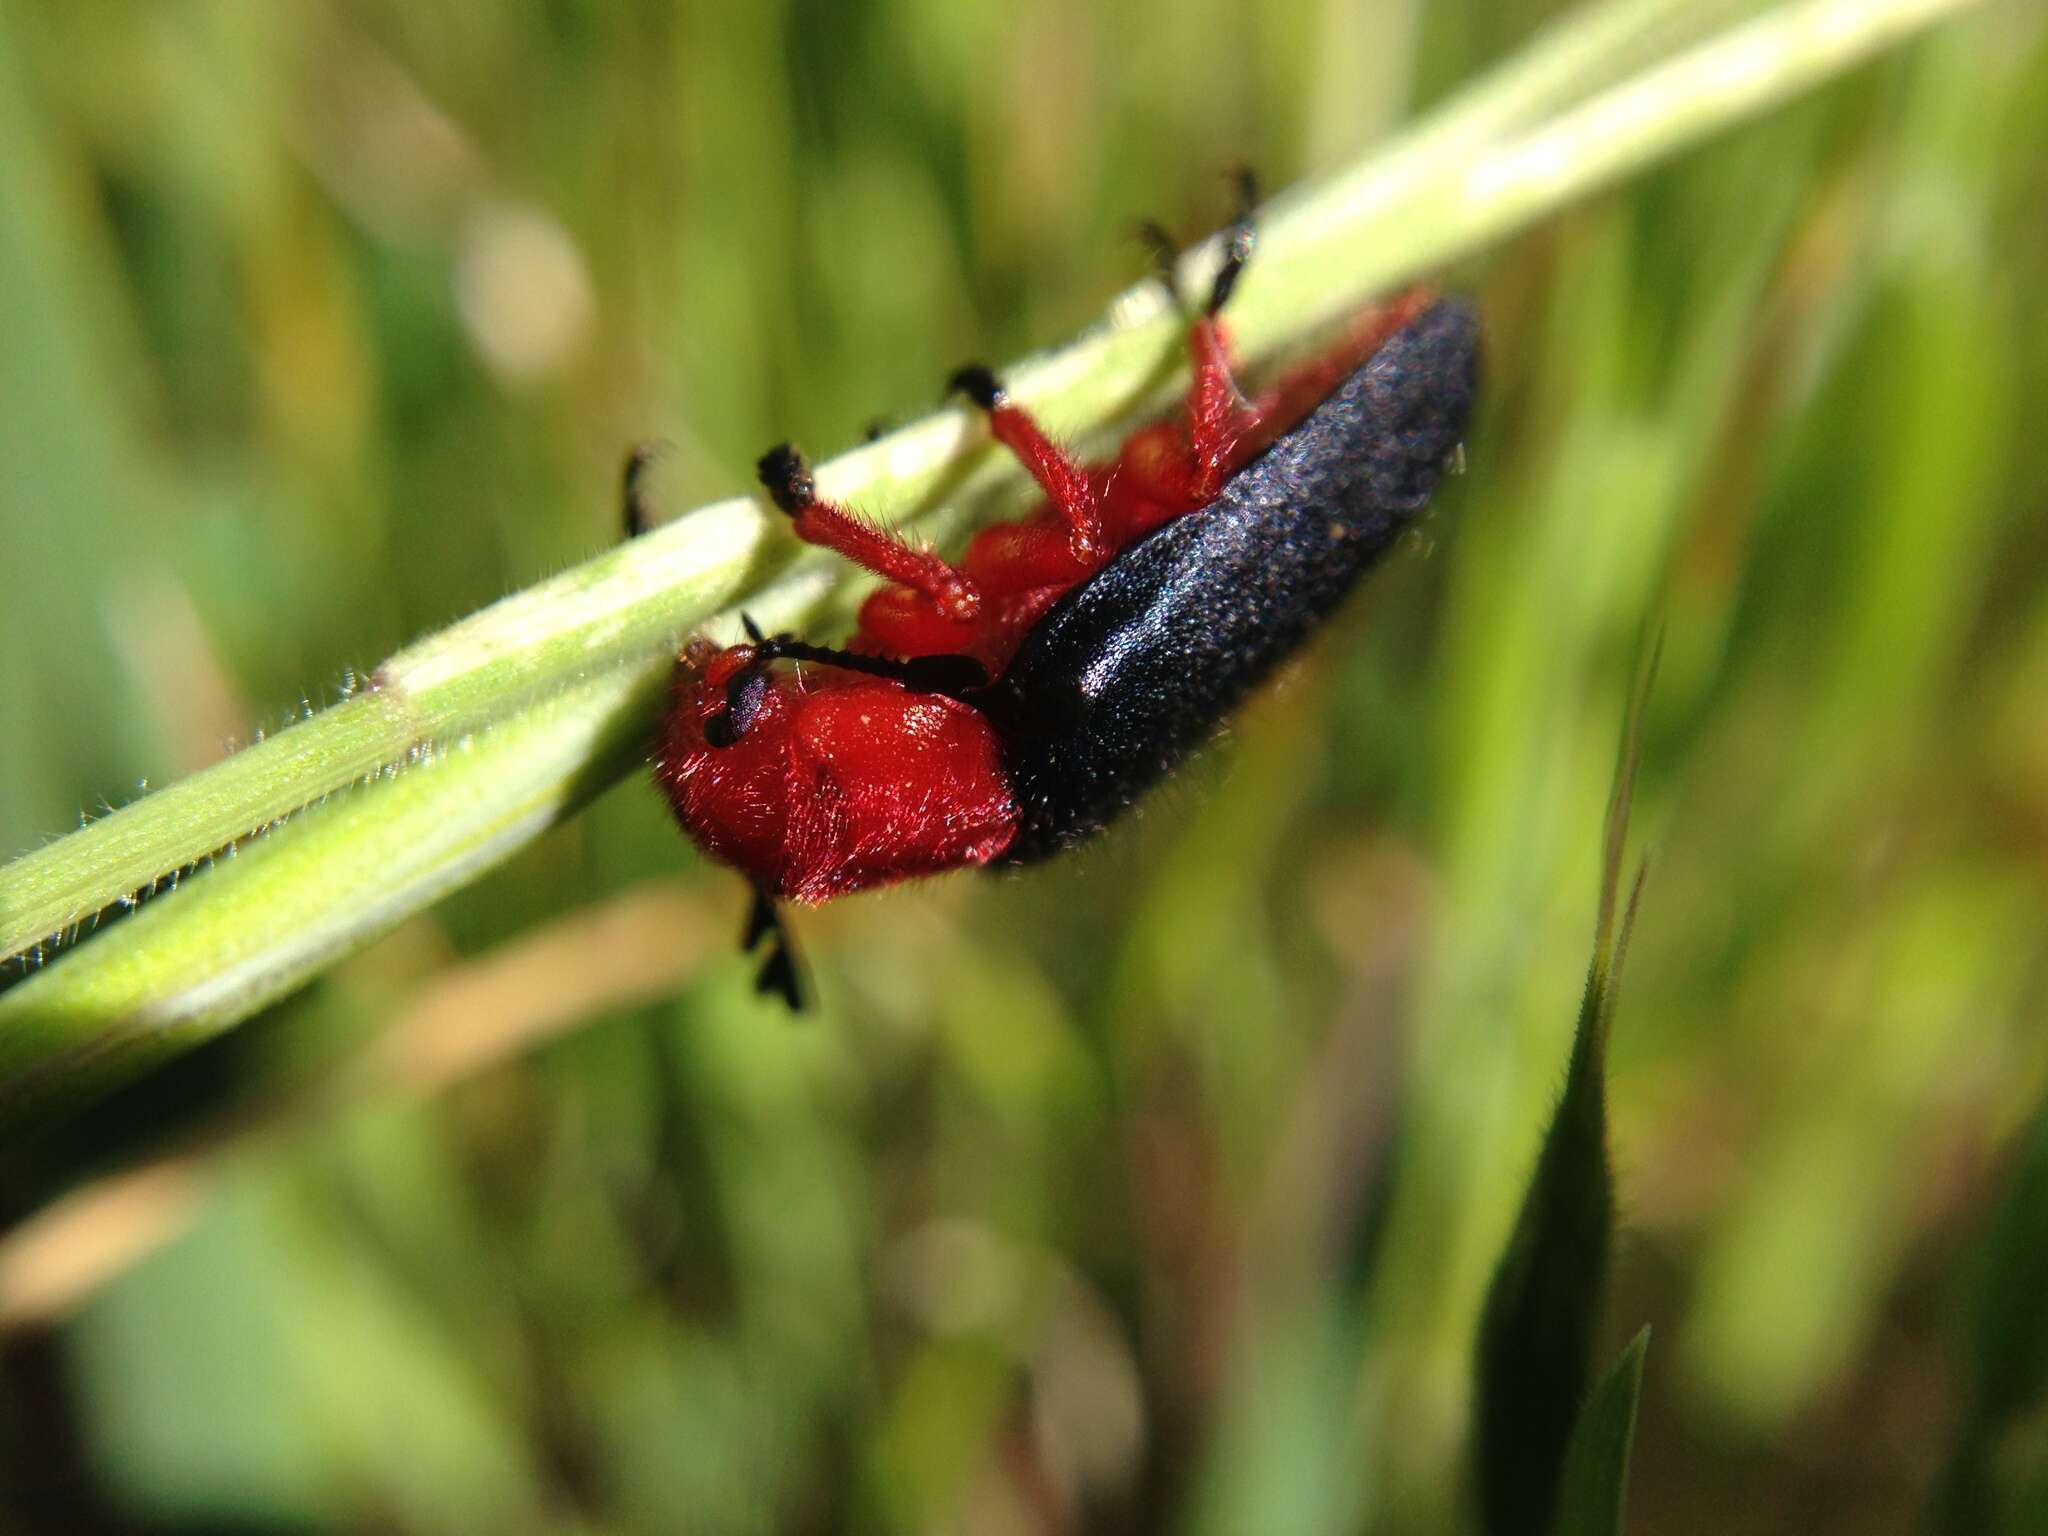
(564, 676)
(462, 1020)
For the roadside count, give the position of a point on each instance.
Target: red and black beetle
(1001, 709)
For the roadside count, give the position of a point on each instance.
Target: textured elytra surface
(1137, 667)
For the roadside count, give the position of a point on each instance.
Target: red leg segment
(895, 621)
(788, 481)
(873, 549)
(1067, 486)
(1218, 416)
(1065, 483)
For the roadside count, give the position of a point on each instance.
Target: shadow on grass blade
(1536, 1333)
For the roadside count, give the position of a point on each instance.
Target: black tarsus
(1239, 240)
(979, 384)
(761, 920)
(778, 976)
(787, 478)
(1165, 252)
(634, 513)
(953, 675)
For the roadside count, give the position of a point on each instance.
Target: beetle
(999, 710)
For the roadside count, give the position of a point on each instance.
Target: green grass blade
(631, 601)
(247, 930)
(1519, 177)
(1536, 1330)
(1476, 175)
(2005, 1341)
(1594, 1487)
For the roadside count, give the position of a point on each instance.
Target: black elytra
(1135, 668)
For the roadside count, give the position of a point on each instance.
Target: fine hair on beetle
(1008, 706)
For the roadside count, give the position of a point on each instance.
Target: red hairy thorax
(815, 780)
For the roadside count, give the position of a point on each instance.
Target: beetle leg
(1239, 240)
(1065, 483)
(787, 479)
(635, 515)
(777, 976)
(1165, 252)
(1218, 415)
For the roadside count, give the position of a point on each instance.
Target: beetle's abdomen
(1136, 667)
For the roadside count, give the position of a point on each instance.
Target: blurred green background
(1153, 1191)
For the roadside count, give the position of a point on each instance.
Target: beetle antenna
(947, 673)
(953, 675)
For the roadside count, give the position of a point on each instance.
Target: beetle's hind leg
(1219, 417)
(778, 975)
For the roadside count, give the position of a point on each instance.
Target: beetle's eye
(744, 693)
